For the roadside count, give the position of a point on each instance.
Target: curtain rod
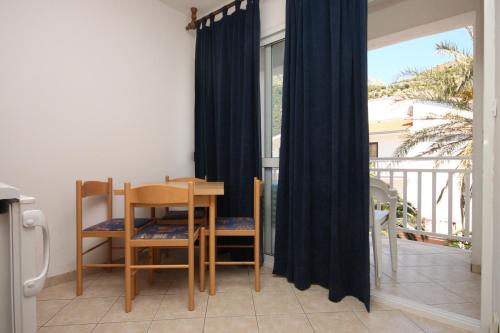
(194, 22)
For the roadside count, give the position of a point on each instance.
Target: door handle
(32, 219)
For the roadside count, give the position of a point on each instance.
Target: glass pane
(278, 54)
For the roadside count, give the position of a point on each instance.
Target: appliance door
(6, 272)
(26, 280)
(32, 279)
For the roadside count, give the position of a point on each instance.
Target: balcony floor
(434, 275)
(279, 307)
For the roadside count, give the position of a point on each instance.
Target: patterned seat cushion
(199, 213)
(164, 231)
(116, 225)
(235, 223)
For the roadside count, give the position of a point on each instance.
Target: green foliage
(277, 97)
(449, 84)
(459, 244)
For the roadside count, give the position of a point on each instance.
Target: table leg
(211, 243)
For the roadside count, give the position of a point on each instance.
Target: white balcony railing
(435, 194)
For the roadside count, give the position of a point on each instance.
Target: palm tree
(450, 84)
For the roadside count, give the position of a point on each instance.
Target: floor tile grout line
(362, 323)
(413, 321)
(156, 312)
(71, 301)
(105, 314)
(67, 325)
(461, 296)
(205, 317)
(307, 316)
(93, 329)
(253, 301)
(448, 290)
(55, 314)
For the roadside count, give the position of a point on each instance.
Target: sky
(385, 64)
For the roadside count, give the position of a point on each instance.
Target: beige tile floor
(434, 275)
(162, 307)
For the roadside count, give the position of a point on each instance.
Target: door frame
(489, 115)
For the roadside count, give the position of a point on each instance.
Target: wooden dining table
(205, 195)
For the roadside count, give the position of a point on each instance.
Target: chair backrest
(380, 193)
(157, 196)
(93, 188)
(185, 179)
(379, 190)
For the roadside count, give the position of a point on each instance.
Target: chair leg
(135, 260)
(377, 252)
(128, 280)
(256, 250)
(191, 276)
(110, 252)
(79, 268)
(152, 261)
(203, 248)
(393, 238)
(135, 290)
(394, 249)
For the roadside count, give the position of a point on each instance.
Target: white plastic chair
(381, 193)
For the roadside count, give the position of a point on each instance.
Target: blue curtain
(227, 105)
(322, 214)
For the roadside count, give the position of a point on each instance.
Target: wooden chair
(180, 216)
(239, 226)
(177, 217)
(109, 228)
(381, 193)
(159, 235)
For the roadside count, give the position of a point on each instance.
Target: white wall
(387, 142)
(272, 16)
(91, 89)
(496, 237)
(391, 22)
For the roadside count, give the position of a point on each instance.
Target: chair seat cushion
(164, 231)
(381, 216)
(235, 223)
(116, 224)
(199, 213)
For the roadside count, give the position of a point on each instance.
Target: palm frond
(451, 49)
(470, 31)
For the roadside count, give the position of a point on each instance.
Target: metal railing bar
(423, 158)
(421, 169)
(450, 204)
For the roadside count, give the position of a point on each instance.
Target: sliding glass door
(273, 56)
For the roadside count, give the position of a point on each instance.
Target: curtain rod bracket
(194, 21)
(192, 24)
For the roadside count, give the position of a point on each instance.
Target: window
(373, 149)
(272, 82)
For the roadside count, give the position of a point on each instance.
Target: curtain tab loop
(237, 4)
(212, 19)
(224, 11)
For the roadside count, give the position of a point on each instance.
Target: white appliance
(19, 280)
